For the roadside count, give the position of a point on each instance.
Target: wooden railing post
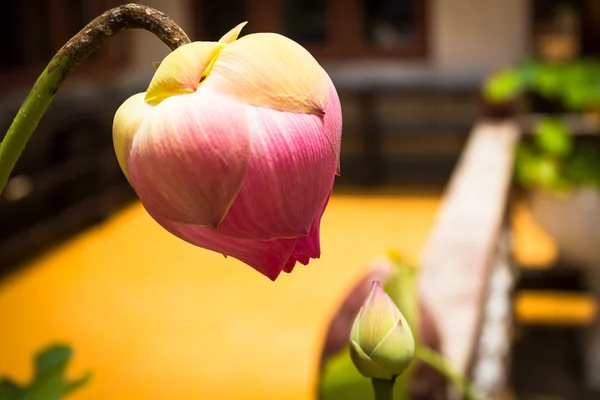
(462, 249)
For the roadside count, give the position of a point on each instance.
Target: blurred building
(408, 73)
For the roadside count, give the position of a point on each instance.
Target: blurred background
(81, 262)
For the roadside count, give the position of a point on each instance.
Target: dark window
(12, 54)
(34, 30)
(214, 18)
(306, 20)
(329, 29)
(82, 11)
(388, 23)
(25, 31)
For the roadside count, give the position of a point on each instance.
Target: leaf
(51, 387)
(78, 383)
(583, 168)
(402, 289)
(528, 69)
(9, 390)
(553, 138)
(549, 80)
(53, 359)
(49, 382)
(545, 171)
(504, 86)
(341, 381)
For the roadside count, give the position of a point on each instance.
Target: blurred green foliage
(553, 160)
(504, 86)
(49, 382)
(575, 84)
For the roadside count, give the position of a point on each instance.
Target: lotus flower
(234, 148)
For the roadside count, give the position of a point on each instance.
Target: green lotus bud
(381, 342)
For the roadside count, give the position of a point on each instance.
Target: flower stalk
(383, 388)
(437, 362)
(77, 49)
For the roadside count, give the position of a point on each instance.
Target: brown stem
(128, 16)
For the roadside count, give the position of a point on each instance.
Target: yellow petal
(233, 34)
(270, 70)
(181, 71)
(128, 119)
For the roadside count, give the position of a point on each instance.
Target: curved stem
(383, 388)
(437, 362)
(77, 49)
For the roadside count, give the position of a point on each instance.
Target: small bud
(381, 342)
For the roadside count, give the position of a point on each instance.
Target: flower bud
(381, 342)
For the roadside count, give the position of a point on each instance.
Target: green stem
(84, 43)
(383, 388)
(437, 362)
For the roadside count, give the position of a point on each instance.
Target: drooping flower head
(234, 148)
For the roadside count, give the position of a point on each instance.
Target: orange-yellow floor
(155, 318)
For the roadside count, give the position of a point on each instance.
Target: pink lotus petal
(266, 256)
(291, 171)
(289, 266)
(307, 246)
(189, 158)
(333, 123)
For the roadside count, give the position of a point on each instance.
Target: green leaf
(581, 83)
(528, 70)
(553, 138)
(53, 359)
(51, 387)
(583, 169)
(402, 289)
(549, 80)
(341, 381)
(523, 159)
(9, 390)
(545, 172)
(503, 86)
(49, 382)
(78, 383)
